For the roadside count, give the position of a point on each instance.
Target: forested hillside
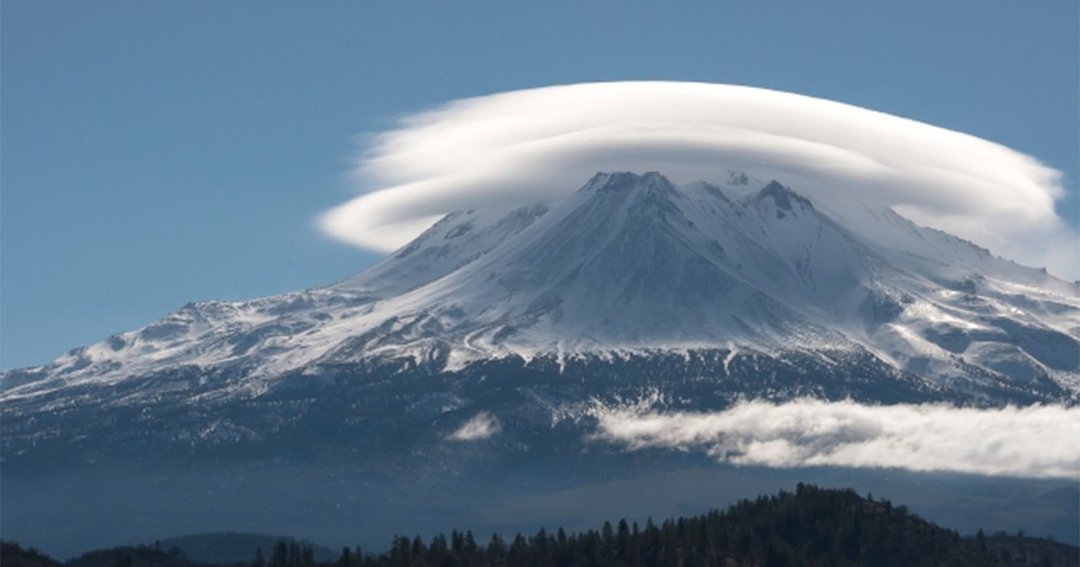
(812, 526)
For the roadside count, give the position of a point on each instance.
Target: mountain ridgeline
(628, 287)
(464, 379)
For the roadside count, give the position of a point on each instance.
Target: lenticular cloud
(1034, 441)
(536, 144)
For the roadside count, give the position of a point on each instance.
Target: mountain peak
(784, 198)
(620, 181)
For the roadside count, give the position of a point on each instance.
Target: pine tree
(280, 556)
(496, 550)
(259, 560)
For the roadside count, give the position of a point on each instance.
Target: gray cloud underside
(539, 144)
(1034, 441)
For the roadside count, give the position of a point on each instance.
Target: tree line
(810, 526)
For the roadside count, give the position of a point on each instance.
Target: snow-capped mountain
(631, 284)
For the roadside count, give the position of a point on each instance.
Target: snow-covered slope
(454, 241)
(490, 355)
(629, 264)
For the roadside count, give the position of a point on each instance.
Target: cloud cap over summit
(528, 145)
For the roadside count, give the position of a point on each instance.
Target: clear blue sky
(155, 153)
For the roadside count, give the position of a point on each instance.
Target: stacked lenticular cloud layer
(529, 145)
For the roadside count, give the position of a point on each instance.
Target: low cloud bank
(536, 144)
(1033, 441)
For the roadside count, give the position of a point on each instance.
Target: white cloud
(1033, 441)
(481, 426)
(542, 143)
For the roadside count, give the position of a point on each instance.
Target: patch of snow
(482, 426)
